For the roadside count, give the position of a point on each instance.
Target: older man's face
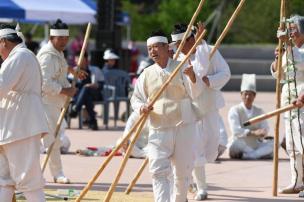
(3, 49)
(158, 52)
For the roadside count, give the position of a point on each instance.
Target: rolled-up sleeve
(49, 84)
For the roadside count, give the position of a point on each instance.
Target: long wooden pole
(198, 9)
(269, 114)
(125, 159)
(137, 175)
(67, 102)
(228, 25)
(278, 105)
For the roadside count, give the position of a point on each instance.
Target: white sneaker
(201, 195)
(61, 179)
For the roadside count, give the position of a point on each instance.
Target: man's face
(248, 98)
(4, 52)
(158, 52)
(296, 36)
(187, 46)
(59, 42)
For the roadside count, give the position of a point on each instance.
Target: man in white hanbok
(212, 76)
(56, 88)
(171, 121)
(22, 119)
(293, 85)
(248, 142)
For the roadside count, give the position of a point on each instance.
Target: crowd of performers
(33, 90)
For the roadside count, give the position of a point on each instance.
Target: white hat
(248, 83)
(109, 55)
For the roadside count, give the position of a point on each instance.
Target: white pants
(208, 137)
(54, 162)
(166, 147)
(20, 165)
(239, 147)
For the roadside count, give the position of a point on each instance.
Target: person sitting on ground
(248, 142)
(89, 91)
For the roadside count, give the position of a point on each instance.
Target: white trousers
(239, 147)
(55, 163)
(171, 147)
(20, 165)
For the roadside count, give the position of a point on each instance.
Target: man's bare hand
(71, 91)
(190, 73)
(206, 80)
(145, 109)
(200, 30)
(261, 133)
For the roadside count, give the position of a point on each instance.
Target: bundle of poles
(140, 123)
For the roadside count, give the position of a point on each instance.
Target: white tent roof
(69, 11)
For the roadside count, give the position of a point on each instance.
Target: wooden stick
(231, 20)
(14, 198)
(108, 159)
(278, 105)
(136, 177)
(198, 9)
(125, 159)
(67, 102)
(269, 114)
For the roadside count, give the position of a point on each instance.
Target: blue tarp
(70, 11)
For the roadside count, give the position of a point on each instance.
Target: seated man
(248, 142)
(89, 91)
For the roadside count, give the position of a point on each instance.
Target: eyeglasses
(292, 30)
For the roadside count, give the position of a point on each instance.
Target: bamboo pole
(154, 99)
(278, 105)
(229, 24)
(14, 198)
(198, 9)
(136, 177)
(68, 99)
(125, 159)
(269, 114)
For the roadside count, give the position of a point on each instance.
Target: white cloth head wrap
(156, 39)
(7, 31)
(59, 32)
(248, 83)
(179, 37)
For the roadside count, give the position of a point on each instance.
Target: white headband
(7, 31)
(179, 37)
(59, 32)
(156, 39)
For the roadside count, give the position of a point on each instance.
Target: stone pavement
(228, 180)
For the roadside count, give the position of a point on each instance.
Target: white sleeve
(139, 98)
(10, 74)
(222, 72)
(49, 85)
(235, 124)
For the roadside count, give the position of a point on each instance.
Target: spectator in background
(110, 60)
(89, 91)
(30, 44)
(134, 61)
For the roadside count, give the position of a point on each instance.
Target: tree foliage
(257, 22)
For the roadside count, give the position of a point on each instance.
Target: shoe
(93, 125)
(290, 189)
(73, 112)
(201, 195)
(61, 180)
(301, 194)
(248, 156)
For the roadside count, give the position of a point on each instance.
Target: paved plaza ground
(228, 180)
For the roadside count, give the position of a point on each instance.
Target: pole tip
(247, 123)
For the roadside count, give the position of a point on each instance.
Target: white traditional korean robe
(54, 71)
(22, 121)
